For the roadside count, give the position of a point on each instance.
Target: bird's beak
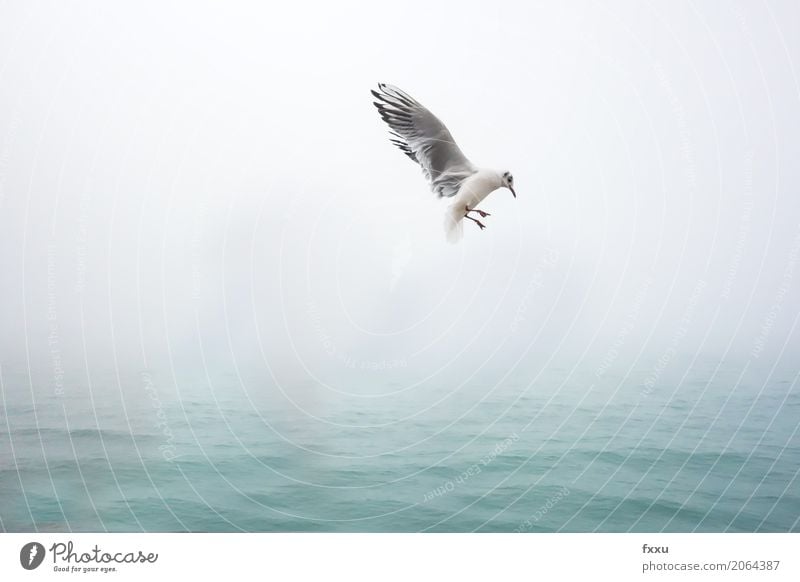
(512, 191)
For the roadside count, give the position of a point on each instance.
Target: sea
(716, 450)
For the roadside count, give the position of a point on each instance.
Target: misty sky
(184, 184)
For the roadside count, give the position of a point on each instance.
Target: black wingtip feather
(394, 107)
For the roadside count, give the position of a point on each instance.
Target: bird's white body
(471, 193)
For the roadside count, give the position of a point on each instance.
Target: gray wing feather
(422, 137)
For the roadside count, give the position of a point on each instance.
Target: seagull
(422, 137)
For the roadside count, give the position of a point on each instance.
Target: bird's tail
(454, 224)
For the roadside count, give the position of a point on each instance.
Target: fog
(208, 190)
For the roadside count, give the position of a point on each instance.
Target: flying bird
(422, 137)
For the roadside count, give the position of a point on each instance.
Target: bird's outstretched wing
(424, 139)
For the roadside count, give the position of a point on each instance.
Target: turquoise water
(716, 452)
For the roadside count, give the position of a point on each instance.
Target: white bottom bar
(402, 557)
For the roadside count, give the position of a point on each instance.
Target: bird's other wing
(423, 138)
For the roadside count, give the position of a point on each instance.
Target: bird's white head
(507, 181)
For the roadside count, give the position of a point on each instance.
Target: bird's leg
(481, 212)
(476, 221)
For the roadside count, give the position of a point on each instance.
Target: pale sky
(182, 182)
